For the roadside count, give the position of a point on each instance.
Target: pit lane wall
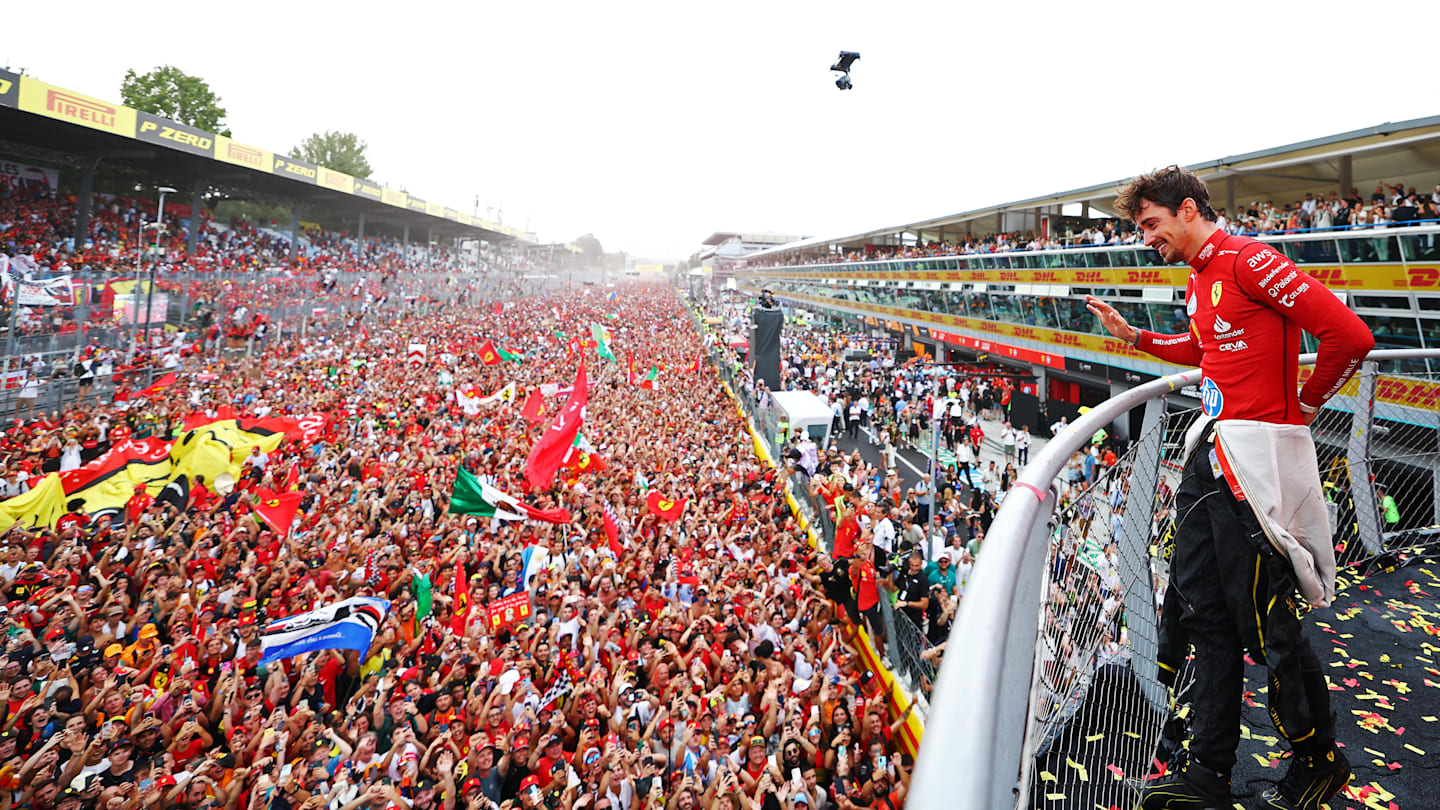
(898, 700)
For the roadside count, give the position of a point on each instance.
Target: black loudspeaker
(765, 346)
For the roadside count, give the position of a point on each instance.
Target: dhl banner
(164, 132)
(1389, 277)
(1408, 391)
(239, 154)
(67, 105)
(1394, 390)
(335, 181)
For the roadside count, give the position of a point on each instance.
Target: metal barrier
(1059, 620)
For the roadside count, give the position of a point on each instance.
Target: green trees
(340, 151)
(175, 94)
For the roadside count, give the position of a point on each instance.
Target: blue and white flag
(347, 625)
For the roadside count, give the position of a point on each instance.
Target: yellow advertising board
(1409, 392)
(335, 181)
(239, 154)
(655, 269)
(75, 108)
(399, 199)
(1388, 277)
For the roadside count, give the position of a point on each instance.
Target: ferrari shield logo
(1215, 291)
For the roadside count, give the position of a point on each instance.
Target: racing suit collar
(1208, 250)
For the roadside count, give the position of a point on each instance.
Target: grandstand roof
(49, 124)
(1404, 150)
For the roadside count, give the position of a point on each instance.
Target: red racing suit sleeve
(1182, 349)
(1299, 298)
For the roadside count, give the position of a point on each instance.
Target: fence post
(1362, 490)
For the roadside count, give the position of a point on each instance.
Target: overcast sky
(653, 125)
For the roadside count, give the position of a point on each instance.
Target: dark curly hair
(1169, 187)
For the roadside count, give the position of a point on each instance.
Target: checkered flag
(558, 690)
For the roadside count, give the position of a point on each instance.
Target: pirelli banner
(34, 96)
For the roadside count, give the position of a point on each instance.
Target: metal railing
(1059, 621)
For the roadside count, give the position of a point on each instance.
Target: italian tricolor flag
(471, 496)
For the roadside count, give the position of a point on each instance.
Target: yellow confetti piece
(1264, 761)
(1429, 718)
(1094, 737)
(1080, 769)
(1137, 736)
(1416, 750)
(1373, 752)
(1046, 776)
(1385, 658)
(1055, 797)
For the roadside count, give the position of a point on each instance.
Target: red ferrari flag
(460, 602)
(489, 355)
(157, 386)
(695, 367)
(664, 508)
(549, 452)
(533, 409)
(277, 509)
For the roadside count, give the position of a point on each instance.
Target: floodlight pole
(159, 229)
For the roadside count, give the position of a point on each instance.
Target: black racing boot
(1192, 787)
(1310, 781)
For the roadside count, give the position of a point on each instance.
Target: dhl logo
(1089, 277)
(1045, 275)
(1066, 339)
(1023, 332)
(79, 108)
(1423, 278)
(6, 86)
(989, 326)
(1143, 277)
(1009, 275)
(245, 154)
(173, 134)
(1408, 392)
(1334, 277)
(288, 167)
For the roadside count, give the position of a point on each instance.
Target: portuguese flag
(472, 496)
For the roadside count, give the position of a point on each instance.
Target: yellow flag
(41, 506)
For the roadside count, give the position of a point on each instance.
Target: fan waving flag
(533, 409)
(602, 335)
(277, 509)
(489, 354)
(157, 386)
(612, 531)
(664, 508)
(472, 496)
(460, 601)
(549, 452)
(347, 625)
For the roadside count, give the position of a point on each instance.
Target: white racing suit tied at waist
(1275, 467)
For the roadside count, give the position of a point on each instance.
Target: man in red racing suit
(1229, 591)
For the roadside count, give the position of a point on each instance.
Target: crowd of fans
(709, 664)
(1388, 206)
